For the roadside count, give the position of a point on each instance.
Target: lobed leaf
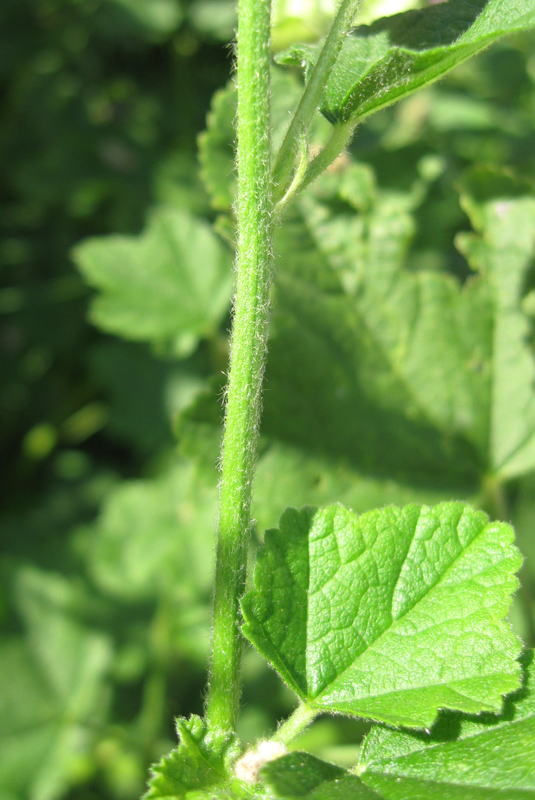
(392, 615)
(171, 285)
(396, 56)
(361, 360)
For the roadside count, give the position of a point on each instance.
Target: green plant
(399, 371)
(396, 614)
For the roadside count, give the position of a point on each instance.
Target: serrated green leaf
(303, 775)
(487, 759)
(391, 615)
(171, 285)
(396, 56)
(200, 768)
(502, 251)
(53, 693)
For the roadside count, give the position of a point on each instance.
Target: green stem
(339, 138)
(301, 718)
(248, 346)
(310, 100)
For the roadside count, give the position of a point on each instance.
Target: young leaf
(170, 286)
(461, 759)
(200, 767)
(391, 615)
(396, 56)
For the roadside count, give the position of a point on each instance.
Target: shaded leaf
(216, 149)
(364, 371)
(398, 55)
(216, 144)
(135, 384)
(287, 474)
(303, 775)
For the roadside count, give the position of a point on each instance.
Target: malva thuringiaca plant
(394, 615)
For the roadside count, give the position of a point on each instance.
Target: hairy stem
(248, 345)
(310, 100)
(301, 718)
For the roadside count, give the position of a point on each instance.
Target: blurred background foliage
(107, 523)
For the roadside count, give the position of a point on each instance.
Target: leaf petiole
(285, 160)
(300, 719)
(338, 140)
